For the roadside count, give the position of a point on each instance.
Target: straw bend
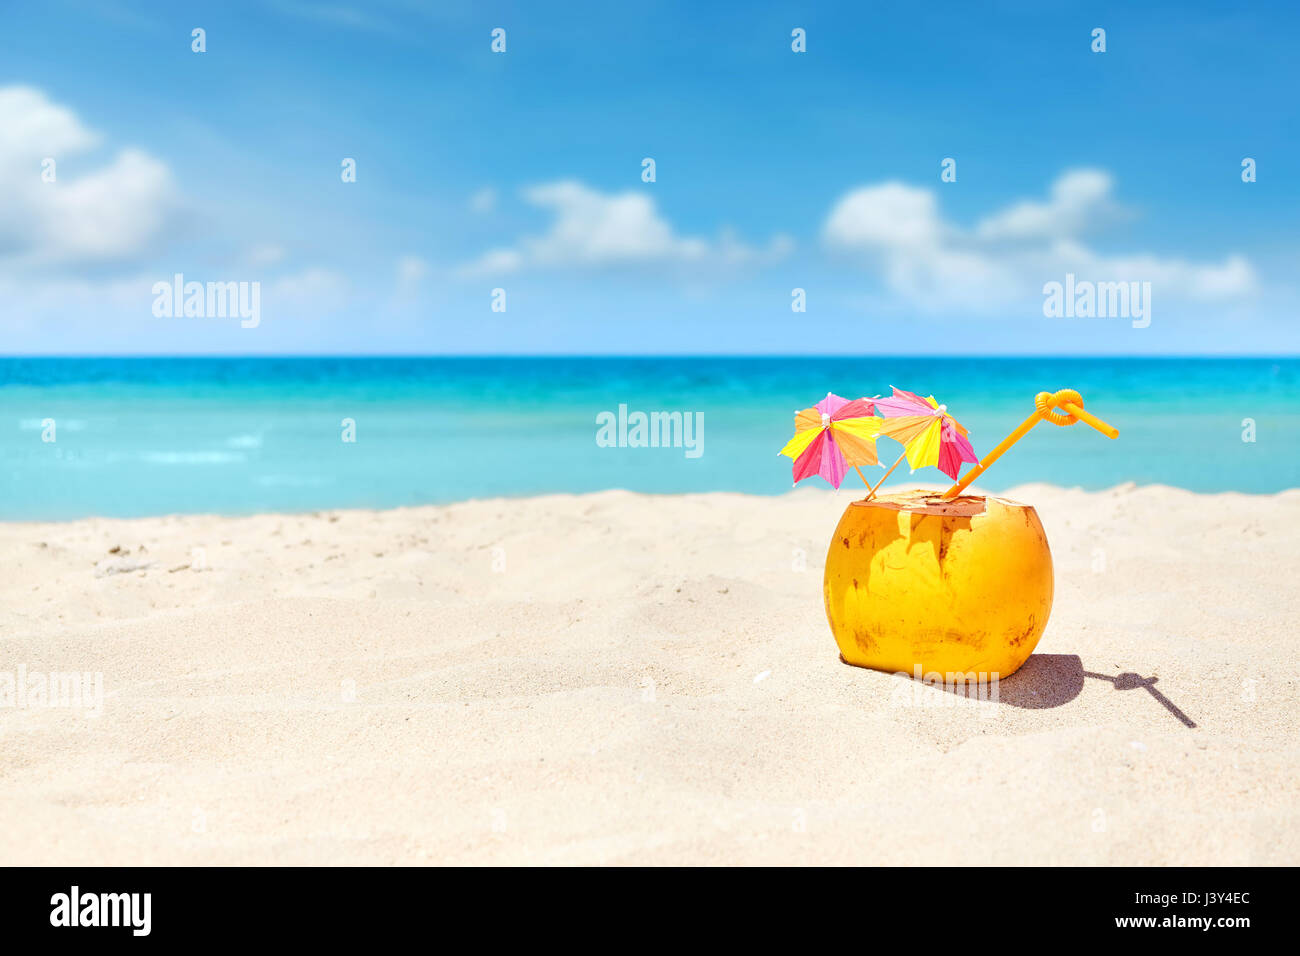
(1064, 407)
(1049, 405)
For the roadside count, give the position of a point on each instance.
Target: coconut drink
(924, 582)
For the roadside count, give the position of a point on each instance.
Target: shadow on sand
(1053, 680)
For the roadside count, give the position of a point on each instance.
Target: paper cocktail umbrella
(832, 435)
(930, 436)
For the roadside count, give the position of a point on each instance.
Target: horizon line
(1208, 356)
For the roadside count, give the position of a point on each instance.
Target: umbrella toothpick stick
(876, 487)
(1062, 408)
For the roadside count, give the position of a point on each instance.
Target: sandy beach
(627, 679)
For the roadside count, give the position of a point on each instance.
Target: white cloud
(495, 262)
(592, 229)
(315, 290)
(483, 201)
(112, 214)
(35, 128)
(1080, 199)
(411, 270)
(265, 254)
(930, 262)
(411, 273)
(890, 214)
(338, 15)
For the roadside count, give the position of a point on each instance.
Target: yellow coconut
(960, 586)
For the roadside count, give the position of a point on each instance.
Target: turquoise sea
(149, 436)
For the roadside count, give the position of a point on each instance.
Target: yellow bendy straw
(1063, 408)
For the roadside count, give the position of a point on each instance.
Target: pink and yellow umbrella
(832, 436)
(930, 436)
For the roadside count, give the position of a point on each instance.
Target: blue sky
(775, 170)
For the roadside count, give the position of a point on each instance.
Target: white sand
(646, 680)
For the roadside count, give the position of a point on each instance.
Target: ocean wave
(191, 457)
(63, 424)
